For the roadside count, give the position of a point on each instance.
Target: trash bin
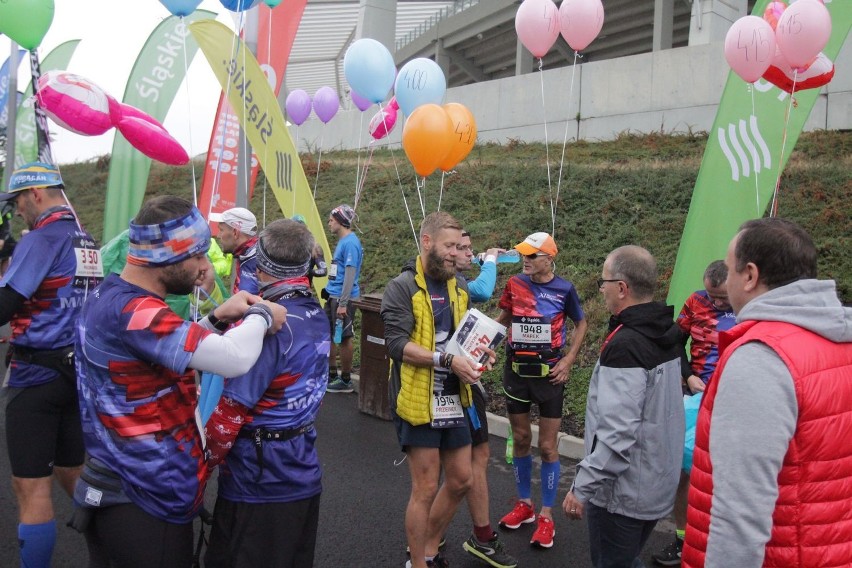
(375, 370)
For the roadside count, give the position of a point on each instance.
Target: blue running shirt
(138, 398)
(549, 302)
(283, 391)
(347, 253)
(45, 271)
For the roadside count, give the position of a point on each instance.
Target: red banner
(276, 32)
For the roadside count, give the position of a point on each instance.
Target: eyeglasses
(535, 255)
(463, 248)
(601, 281)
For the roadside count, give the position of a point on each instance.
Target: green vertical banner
(742, 161)
(26, 134)
(153, 83)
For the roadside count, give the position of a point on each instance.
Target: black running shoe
(490, 552)
(669, 555)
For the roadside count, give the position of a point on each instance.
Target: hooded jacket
(634, 416)
(772, 477)
(407, 315)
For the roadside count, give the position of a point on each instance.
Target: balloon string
(565, 138)
(245, 149)
(319, 161)
(756, 169)
(441, 192)
(546, 143)
(420, 195)
(217, 177)
(773, 211)
(404, 199)
(367, 161)
(266, 147)
(189, 119)
(358, 165)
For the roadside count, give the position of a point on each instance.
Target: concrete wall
(673, 91)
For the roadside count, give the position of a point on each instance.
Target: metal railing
(432, 21)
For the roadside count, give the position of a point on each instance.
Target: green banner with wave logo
(742, 161)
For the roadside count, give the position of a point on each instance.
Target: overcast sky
(112, 32)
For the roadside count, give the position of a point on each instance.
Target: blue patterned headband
(170, 242)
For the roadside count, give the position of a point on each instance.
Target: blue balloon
(181, 7)
(420, 81)
(239, 5)
(369, 69)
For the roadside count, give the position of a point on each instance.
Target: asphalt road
(363, 503)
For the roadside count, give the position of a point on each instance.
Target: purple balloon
(298, 105)
(326, 103)
(360, 102)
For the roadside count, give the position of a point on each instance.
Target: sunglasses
(535, 255)
(601, 281)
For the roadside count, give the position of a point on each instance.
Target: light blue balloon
(181, 8)
(239, 5)
(369, 69)
(420, 81)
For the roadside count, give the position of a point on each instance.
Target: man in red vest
(772, 471)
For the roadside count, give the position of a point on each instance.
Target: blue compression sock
(523, 475)
(36, 543)
(549, 482)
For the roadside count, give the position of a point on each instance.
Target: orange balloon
(427, 137)
(464, 135)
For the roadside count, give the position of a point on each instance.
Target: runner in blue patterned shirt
(270, 481)
(52, 269)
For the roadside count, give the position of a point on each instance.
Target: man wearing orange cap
(535, 306)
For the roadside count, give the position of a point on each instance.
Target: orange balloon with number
(464, 135)
(427, 137)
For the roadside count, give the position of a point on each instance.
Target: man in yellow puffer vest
(430, 389)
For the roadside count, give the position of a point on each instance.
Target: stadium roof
(476, 36)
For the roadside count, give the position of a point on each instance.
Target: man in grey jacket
(634, 416)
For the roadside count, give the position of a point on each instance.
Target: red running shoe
(544, 533)
(522, 513)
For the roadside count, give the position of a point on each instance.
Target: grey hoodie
(754, 418)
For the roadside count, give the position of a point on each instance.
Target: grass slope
(632, 190)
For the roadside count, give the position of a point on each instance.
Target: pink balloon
(749, 47)
(74, 102)
(772, 12)
(150, 138)
(580, 22)
(803, 31)
(537, 25)
(383, 122)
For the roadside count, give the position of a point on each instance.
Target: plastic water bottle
(508, 256)
(338, 331)
(510, 449)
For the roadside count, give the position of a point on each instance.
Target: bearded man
(429, 388)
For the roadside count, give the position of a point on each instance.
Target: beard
(178, 280)
(435, 267)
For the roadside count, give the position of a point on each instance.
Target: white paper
(476, 330)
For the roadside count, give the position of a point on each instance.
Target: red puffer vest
(812, 521)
